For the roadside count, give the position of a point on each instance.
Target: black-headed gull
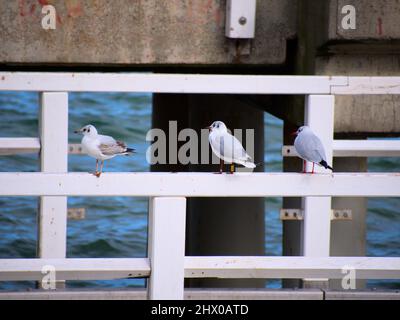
(227, 148)
(101, 147)
(309, 147)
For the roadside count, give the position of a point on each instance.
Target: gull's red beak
(209, 128)
(294, 133)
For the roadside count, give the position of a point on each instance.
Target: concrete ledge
(205, 294)
(362, 295)
(190, 294)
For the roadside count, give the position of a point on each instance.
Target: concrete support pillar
(217, 226)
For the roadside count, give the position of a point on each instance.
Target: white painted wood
(319, 116)
(240, 18)
(366, 148)
(369, 85)
(194, 83)
(167, 223)
(291, 267)
(357, 148)
(200, 184)
(74, 269)
(10, 146)
(168, 83)
(52, 222)
(204, 267)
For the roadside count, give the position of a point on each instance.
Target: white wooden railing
(166, 264)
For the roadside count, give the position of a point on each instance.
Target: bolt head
(242, 20)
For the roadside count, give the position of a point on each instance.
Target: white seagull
(227, 147)
(310, 148)
(101, 147)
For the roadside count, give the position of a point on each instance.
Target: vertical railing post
(52, 219)
(319, 116)
(166, 249)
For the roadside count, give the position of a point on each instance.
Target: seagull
(101, 147)
(227, 148)
(310, 148)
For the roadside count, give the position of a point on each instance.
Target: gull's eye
(88, 130)
(217, 125)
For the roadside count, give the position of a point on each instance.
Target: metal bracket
(298, 214)
(76, 213)
(240, 19)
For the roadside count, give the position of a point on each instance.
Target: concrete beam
(141, 32)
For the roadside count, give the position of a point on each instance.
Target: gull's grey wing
(231, 148)
(310, 148)
(109, 146)
(116, 147)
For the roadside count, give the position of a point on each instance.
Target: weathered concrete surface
(140, 32)
(378, 19)
(364, 113)
(372, 49)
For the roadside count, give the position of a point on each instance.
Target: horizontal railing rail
(196, 83)
(204, 267)
(200, 184)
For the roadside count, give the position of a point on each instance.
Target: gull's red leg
(101, 169)
(304, 166)
(97, 165)
(312, 168)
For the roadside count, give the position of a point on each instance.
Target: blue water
(117, 226)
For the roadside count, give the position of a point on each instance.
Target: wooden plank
(291, 267)
(167, 225)
(200, 184)
(319, 116)
(10, 146)
(52, 223)
(369, 85)
(52, 216)
(74, 269)
(167, 83)
(357, 148)
(367, 148)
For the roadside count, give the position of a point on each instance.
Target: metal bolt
(286, 214)
(336, 214)
(242, 20)
(295, 214)
(345, 214)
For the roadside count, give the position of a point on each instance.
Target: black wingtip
(130, 150)
(325, 165)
